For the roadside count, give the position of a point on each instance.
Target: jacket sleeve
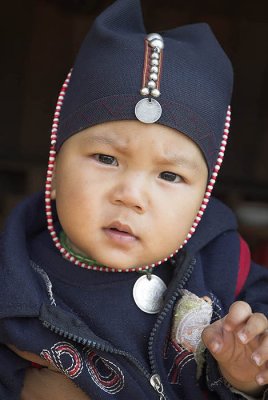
(255, 289)
(217, 383)
(12, 369)
(252, 287)
(251, 281)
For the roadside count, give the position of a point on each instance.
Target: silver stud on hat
(149, 110)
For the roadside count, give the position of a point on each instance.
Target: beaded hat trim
(148, 110)
(48, 201)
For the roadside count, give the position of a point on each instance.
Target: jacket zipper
(154, 378)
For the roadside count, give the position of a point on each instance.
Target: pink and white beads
(213, 177)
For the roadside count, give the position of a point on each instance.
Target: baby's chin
(125, 263)
(120, 260)
(130, 264)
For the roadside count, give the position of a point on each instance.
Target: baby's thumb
(212, 338)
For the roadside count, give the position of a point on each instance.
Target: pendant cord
(66, 245)
(149, 274)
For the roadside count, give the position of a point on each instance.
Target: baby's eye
(170, 177)
(105, 159)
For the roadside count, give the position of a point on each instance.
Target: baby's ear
(53, 184)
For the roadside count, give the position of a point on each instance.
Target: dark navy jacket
(86, 322)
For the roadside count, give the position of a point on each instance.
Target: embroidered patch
(191, 315)
(104, 373)
(69, 360)
(181, 360)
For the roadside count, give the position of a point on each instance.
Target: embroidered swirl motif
(104, 373)
(64, 350)
(182, 358)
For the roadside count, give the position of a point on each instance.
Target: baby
(141, 288)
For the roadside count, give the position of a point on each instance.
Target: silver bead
(152, 36)
(151, 84)
(154, 62)
(157, 43)
(145, 91)
(154, 69)
(155, 55)
(155, 93)
(153, 77)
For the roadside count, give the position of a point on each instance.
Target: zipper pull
(155, 381)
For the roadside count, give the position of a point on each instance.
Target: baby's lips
(121, 227)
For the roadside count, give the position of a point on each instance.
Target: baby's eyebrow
(121, 144)
(178, 160)
(109, 140)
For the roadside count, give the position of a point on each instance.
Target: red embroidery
(65, 357)
(182, 358)
(68, 359)
(104, 373)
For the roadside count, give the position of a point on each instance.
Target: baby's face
(127, 192)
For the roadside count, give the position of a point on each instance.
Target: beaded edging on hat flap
(48, 186)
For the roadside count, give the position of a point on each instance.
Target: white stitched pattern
(47, 281)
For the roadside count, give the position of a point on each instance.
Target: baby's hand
(239, 343)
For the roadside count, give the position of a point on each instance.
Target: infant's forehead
(124, 132)
(160, 142)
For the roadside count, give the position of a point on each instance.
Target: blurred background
(39, 41)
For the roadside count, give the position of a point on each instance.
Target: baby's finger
(212, 337)
(260, 355)
(239, 312)
(255, 325)
(262, 377)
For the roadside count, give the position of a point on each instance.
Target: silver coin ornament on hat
(149, 110)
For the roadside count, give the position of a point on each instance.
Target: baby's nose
(133, 193)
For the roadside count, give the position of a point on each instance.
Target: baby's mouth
(120, 232)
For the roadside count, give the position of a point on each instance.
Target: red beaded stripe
(148, 50)
(51, 162)
(146, 63)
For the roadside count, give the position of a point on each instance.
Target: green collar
(66, 245)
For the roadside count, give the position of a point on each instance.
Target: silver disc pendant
(148, 110)
(149, 293)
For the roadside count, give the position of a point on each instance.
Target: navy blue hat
(196, 78)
